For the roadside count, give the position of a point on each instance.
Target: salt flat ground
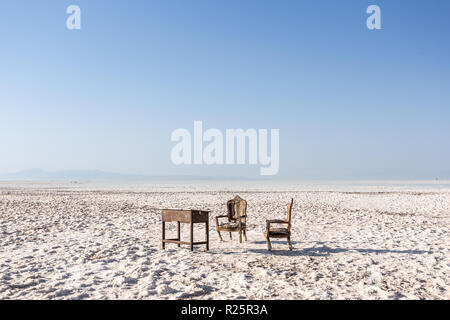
(62, 242)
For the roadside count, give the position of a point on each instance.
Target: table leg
(207, 235)
(163, 234)
(179, 233)
(192, 236)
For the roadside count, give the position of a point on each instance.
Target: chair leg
(220, 236)
(289, 243)
(179, 233)
(245, 234)
(240, 236)
(231, 238)
(269, 246)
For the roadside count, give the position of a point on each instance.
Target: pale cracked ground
(57, 243)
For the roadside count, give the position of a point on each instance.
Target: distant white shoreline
(239, 185)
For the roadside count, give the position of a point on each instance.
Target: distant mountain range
(97, 175)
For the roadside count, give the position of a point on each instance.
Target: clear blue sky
(349, 102)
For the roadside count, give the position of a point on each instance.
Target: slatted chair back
(289, 214)
(237, 208)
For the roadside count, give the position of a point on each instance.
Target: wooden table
(185, 216)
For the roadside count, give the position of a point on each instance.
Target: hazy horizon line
(36, 174)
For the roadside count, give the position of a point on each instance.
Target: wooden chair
(280, 232)
(237, 219)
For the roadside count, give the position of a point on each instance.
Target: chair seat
(278, 232)
(231, 225)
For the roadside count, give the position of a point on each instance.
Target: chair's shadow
(324, 250)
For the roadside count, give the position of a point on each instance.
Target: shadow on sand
(324, 250)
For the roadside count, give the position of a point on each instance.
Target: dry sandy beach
(84, 242)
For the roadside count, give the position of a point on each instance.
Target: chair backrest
(289, 213)
(237, 208)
